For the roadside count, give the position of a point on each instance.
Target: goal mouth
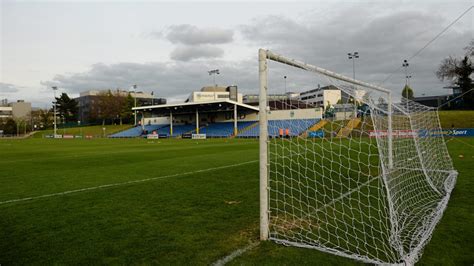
(365, 178)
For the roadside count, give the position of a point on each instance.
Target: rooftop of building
(138, 94)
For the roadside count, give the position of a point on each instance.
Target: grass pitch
(199, 204)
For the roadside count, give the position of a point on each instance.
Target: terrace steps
(345, 131)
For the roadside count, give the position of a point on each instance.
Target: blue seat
(295, 126)
(136, 131)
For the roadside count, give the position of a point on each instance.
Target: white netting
(333, 185)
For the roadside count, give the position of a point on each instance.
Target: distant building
(322, 96)
(87, 99)
(215, 93)
(16, 110)
(432, 101)
(253, 98)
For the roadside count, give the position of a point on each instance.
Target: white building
(322, 96)
(17, 110)
(215, 93)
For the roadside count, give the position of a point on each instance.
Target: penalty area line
(124, 183)
(235, 254)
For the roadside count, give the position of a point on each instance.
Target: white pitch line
(124, 183)
(235, 254)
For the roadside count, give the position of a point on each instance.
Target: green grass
(193, 218)
(87, 130)
(456, 119)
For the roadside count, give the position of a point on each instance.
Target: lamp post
(54, 110)
(407, 77)
(135, 99)
(353, 56)
(213, 73)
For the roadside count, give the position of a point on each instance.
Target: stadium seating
(224, 129)
(177, 130)
(136, 131)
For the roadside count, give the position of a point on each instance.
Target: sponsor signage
(395, 133)
(58, 136)
(455, 132)
(316, 134)
(199, 136)
(186, 136)
(152, 136)
(68, 136)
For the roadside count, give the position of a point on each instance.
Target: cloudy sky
(168, 47)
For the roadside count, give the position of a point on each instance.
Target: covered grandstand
(217, 119)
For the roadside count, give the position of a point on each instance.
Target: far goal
(368, 179)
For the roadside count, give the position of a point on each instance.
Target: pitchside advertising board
(316, 134)
(198, 136)
(458, 132)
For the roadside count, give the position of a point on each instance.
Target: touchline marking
(124, 183)
(235, 254)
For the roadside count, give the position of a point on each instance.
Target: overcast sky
(168, 47)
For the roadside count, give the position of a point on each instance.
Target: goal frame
(263, 57)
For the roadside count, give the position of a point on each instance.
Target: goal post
(263, 124)
(371, 186)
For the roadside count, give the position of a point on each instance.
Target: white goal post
(371, 186)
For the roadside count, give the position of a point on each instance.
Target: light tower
(134, 86)
(353, 56)
(54, 110)
(213, 73)
(407, 77)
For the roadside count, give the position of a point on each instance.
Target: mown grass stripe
(124, 183)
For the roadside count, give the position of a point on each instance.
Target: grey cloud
(8, 88)
(192, 35)
(186, 52)
(383, 42)
(171, 80)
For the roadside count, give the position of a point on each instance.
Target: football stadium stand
(224, 129)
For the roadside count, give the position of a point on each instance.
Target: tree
(102, 106)
(459, 72)
(407, 92)
(126, 110)
(45, 118)
(66, 107)
(9, 128)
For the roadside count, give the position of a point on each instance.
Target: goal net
(365, 178)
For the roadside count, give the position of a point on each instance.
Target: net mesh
(333, 186)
